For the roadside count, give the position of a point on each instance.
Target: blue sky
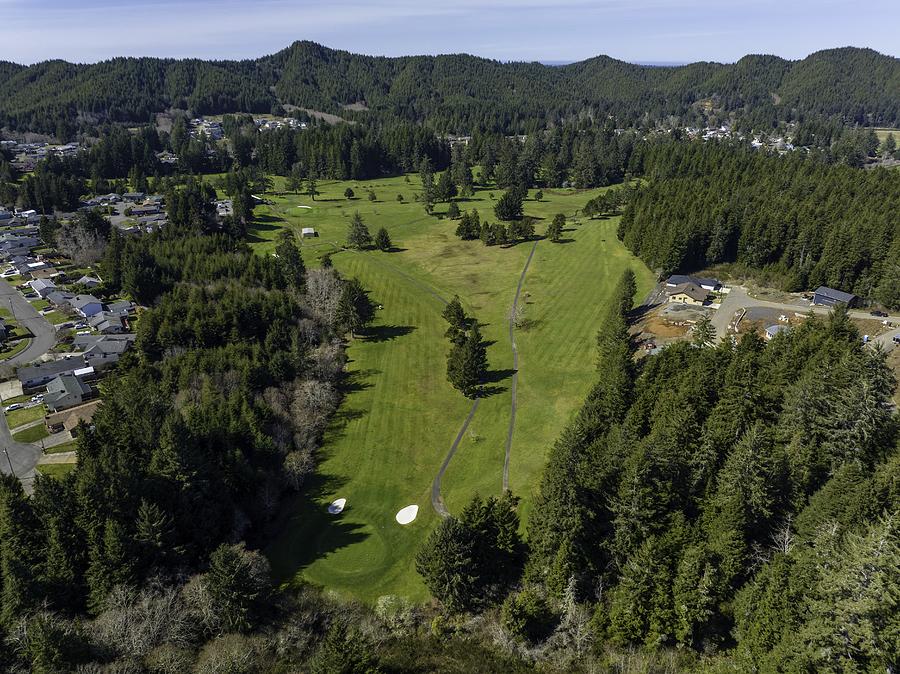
(541, 30)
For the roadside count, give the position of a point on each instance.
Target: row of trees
(803, 221)
(467, 362)
(470, 228)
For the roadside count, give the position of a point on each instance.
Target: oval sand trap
(336, 507)
(408, 514)
(304, 206)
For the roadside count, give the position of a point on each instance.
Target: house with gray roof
(65, 391)
(86, 305)
(829, 297)
(33, 376)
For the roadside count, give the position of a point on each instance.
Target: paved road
(515, 375)
(18, 458)
(29, 318)
(739, 299)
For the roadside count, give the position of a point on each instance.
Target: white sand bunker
(408, 514)
(301, 206)
(336, 507)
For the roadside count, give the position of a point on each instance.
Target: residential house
(65, 391)
(829, 297)
(42, 287)
(33, 376)
(86, 305)
(105, 352)
(688, 293)
(107, 323)
(133, 197)
(60, 298)
(88, 281)
(709, 284)
(69, 418)
(121, 308)
(139, 211)
(86, 341)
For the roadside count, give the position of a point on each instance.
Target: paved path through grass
(515, 374)
(437, 501)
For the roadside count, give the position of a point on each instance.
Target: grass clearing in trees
(401, 414)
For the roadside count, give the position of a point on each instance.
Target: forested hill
(455, 93)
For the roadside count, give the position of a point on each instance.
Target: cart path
(437, 501)
(515, 375)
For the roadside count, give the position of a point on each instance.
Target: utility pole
(11, 469)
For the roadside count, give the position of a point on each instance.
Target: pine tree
(383, 240)
(348, 193)
(290, 261)
(467, 363)
(445, 189)
(354, 309)
(237, 582)
(703, 334)
(311, 190)
(446, 563)
(453, 211)
(358, 235)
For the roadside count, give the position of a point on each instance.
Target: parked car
(896, 339)
(14, 406)
(880, 314)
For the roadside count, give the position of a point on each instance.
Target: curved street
(20, 458)
(44, 334)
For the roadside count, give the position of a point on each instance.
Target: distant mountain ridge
(456, 92)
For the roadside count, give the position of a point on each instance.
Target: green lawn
(15, 349)
(400, 417)
(24, 415)
(56, 470)
(57, 317)
(5, 313)
(33, 434)
(70, 446)
(40, 304)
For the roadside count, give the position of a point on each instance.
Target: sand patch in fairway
(407, 514)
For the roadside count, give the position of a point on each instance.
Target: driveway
(739, 299)
(28, 317)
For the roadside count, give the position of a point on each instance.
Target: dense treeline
(214, 414)
(805, 221)
(734, 497)
(454, 93)
(344, 151)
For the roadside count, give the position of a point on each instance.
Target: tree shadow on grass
(387, 333)
(265, 220)
(306, 531)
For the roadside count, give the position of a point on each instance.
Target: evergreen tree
(354, 309)
(453, 211)
(383, 240)
(467, 363)
(358, 235)
(290, 260)
(238, 583)
(509, 206)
